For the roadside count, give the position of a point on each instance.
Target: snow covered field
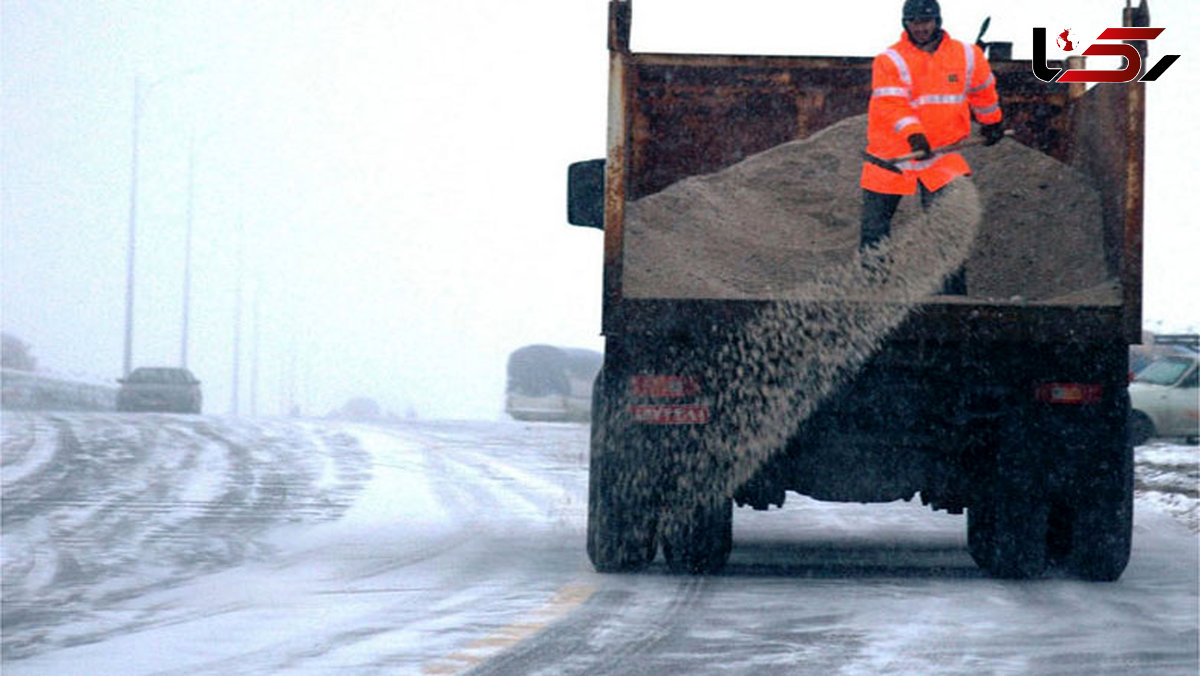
(159, 544)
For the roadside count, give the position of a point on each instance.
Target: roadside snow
(1168, 480)
(27, 448)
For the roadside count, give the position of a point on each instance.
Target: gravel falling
(779, 367)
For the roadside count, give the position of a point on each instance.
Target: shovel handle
(965, 143)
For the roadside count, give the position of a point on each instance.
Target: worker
(924, 91)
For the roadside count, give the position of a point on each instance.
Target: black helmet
(922, 10)
(917, 10)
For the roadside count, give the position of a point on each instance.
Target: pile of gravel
(779, 220)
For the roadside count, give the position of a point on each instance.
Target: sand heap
(777, 221)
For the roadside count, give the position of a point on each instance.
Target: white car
(1164, 400)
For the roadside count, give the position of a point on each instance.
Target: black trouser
(878, 209)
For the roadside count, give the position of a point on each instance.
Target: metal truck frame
(1014, 412)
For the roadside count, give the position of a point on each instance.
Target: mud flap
(1102, 529)
(621, 513)
(1008, 520)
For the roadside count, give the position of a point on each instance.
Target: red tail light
(665, 387)
(680, 391)
(1069, 393)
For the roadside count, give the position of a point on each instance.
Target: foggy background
(379, 185)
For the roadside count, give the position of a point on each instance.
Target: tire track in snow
(474, 487)
(612, 633)
(450, 495)
(118, 512)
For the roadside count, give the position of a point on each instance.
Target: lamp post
(254, 355)
(139, 97)
(132, 237)
(194, 146)
(237, 327)
(187, 252)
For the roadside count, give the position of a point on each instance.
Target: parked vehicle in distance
(548, 383)
(359, 409)
(1156, 346)
(1164, 399)
(160, 388)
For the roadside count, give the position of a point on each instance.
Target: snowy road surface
(159, 544)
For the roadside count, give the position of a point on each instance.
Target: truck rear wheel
(1008, 520)
(1007, 536)
(698, 535)
(980, 535)
(621, 523)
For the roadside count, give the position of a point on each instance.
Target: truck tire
(1008, 519)
(621, 521)
(1141, 428)
(698, 535)
(1102, 500)
(980, 536)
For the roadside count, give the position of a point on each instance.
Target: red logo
(1064, 41)
(1133, 58)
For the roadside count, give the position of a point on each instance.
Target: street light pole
(254, 356)
(237, 328)
(131, 242)
(187, 256)
(139, 95)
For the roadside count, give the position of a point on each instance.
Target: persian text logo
(1133, 59)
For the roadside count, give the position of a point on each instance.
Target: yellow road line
(479, 650)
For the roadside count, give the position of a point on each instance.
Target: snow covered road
(162, 544)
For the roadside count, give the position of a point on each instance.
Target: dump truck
(1009, 406)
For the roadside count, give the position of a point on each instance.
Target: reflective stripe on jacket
(915, 92)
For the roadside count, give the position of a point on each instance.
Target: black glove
(920, 144)
(992, 133)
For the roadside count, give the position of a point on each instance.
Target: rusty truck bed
(679, 115)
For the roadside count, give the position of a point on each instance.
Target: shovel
(890, 165)
(983, 29)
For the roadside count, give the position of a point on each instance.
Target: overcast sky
(392, 173)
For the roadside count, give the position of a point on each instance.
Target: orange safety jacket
(915, 92)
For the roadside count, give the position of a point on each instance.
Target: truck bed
(695, 115)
